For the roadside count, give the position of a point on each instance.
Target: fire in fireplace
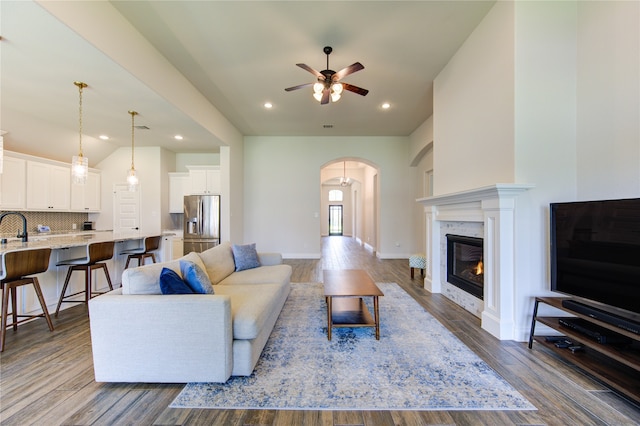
(465, 267)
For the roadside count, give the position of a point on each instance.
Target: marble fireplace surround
(495, 207)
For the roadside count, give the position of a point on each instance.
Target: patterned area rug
(416, 365)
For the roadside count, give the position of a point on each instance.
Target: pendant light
(79, 163)
(344, 180)
(132, 178)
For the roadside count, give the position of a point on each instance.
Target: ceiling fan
(328, 85)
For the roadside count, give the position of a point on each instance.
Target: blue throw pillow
(245, 256)
(171, 283)
(195, 277)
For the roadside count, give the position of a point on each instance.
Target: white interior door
(126, 209)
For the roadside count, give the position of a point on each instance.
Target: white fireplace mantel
(495, 207)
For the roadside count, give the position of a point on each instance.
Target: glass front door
(335, 220)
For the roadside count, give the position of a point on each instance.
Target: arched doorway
(349, 195)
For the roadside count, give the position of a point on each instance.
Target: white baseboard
(301, 255)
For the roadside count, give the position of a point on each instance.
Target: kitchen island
(72, 245)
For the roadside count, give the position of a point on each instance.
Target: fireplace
(465, 264)
(489, 213)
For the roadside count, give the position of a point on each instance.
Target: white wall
(282, 191)
(545, 137)
(473, 126)
(572, 72)
(421, 161)
(424, 164)
(148, 164)
(419, 140)
(167, 164)
(608, 100)
(185, 159)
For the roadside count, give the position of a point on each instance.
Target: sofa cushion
(218, 262)
(146, 279)
(260, 275)
(171, 283)
(251, 305)
(245, 256)
(195, 277)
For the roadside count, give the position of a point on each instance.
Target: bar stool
(150, 244)
(97, 253)
(16, 265)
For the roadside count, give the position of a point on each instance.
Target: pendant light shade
(79, 163)
(132, 178)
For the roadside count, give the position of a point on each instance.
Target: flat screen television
(595, 253)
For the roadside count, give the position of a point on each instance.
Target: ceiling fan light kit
(327, 87)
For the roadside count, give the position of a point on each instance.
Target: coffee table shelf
(351, 312)
(343, 292)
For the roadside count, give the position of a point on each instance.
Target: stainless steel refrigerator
(201, 222)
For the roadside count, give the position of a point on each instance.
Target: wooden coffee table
(343, 291)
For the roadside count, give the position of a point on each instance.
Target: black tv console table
(616, 366)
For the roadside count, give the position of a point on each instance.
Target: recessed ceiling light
(386, 105)
(104, 137)
(178, 137)
(268, 105)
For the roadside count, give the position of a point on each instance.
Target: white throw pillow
(218, 262)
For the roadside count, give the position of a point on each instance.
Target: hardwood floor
(47, 378)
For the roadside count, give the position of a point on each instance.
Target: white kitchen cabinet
(13, 187)
(48, 187)
(179, 186)
(204, 179)
(87, 197)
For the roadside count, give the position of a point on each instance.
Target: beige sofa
(140, 335)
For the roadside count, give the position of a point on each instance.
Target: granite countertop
(61, 240)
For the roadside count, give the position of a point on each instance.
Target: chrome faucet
(24, 225)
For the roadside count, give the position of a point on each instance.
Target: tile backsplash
(58, 222)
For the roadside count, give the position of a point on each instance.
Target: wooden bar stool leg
(87, 284)
(5, 312)
(106, 273)
(64, 290)
(103, 266)
(14, 311)
(126, 265)
(43, 304)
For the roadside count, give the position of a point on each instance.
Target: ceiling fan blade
(355, 89)
(300, 86)
(311, 70)
(325, 96)
(348, 70)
